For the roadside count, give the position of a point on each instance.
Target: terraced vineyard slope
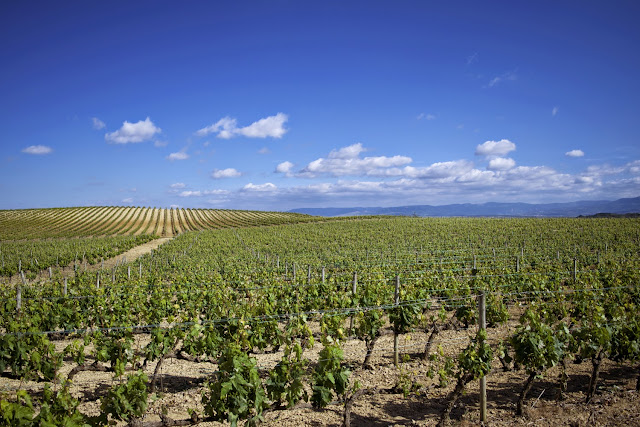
(113, 220)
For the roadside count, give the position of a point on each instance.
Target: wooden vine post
(18, 298)
(396, 337)
(353, 293)
(482, 324)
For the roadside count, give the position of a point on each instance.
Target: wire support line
(361, 281)
(335, 312)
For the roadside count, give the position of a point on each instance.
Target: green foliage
(29, 355)
(285, 383)
(404, 316)
(214, 291)
(116, 348)
(475, 359)
(537, 345)
(19, 413)
(162, 343)
(330, 374)
(333, 325)
(128, 400)
(60, 409)
(56, 409)
(236, 392)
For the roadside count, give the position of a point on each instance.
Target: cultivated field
(125, 221)
(372, 321)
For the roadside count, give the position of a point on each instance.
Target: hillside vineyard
(271, 309)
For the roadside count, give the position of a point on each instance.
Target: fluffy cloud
(443, 183)
(178, 185)
(97, 123)
(37, 149)
(438, 170)
(495, 148)
(266, 187)
(227, 127)
(347, 161)
(574, 153)
(200, 193)
(501, 164)
(395, 181)
(285, 167)
(140, 131)
(225, 173)
(180, 155)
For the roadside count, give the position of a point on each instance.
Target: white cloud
(438, 170)
(554, 111)
(225, 128)
(200, 193)
(180, 155)
(266, 187)
(128, 200)
(346, 161)
(225, 173)
(501, 164)
(178, 185)
(37, 149)
(159, 144)
(285, 167)
(441, 183)
(97, 123)
(272, 126)
(264, 150)
(495, 148)
(349, 152)
(574, 153)
(423, 116)
(140, 131)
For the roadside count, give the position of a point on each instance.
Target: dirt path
(130, 255)
(135, 253)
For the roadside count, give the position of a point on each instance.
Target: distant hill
(569, 209)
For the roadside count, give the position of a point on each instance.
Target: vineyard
(360, 321)
(134, 221)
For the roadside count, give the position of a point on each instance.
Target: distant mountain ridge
(569, 209)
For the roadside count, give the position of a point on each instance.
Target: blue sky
(287, 104)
